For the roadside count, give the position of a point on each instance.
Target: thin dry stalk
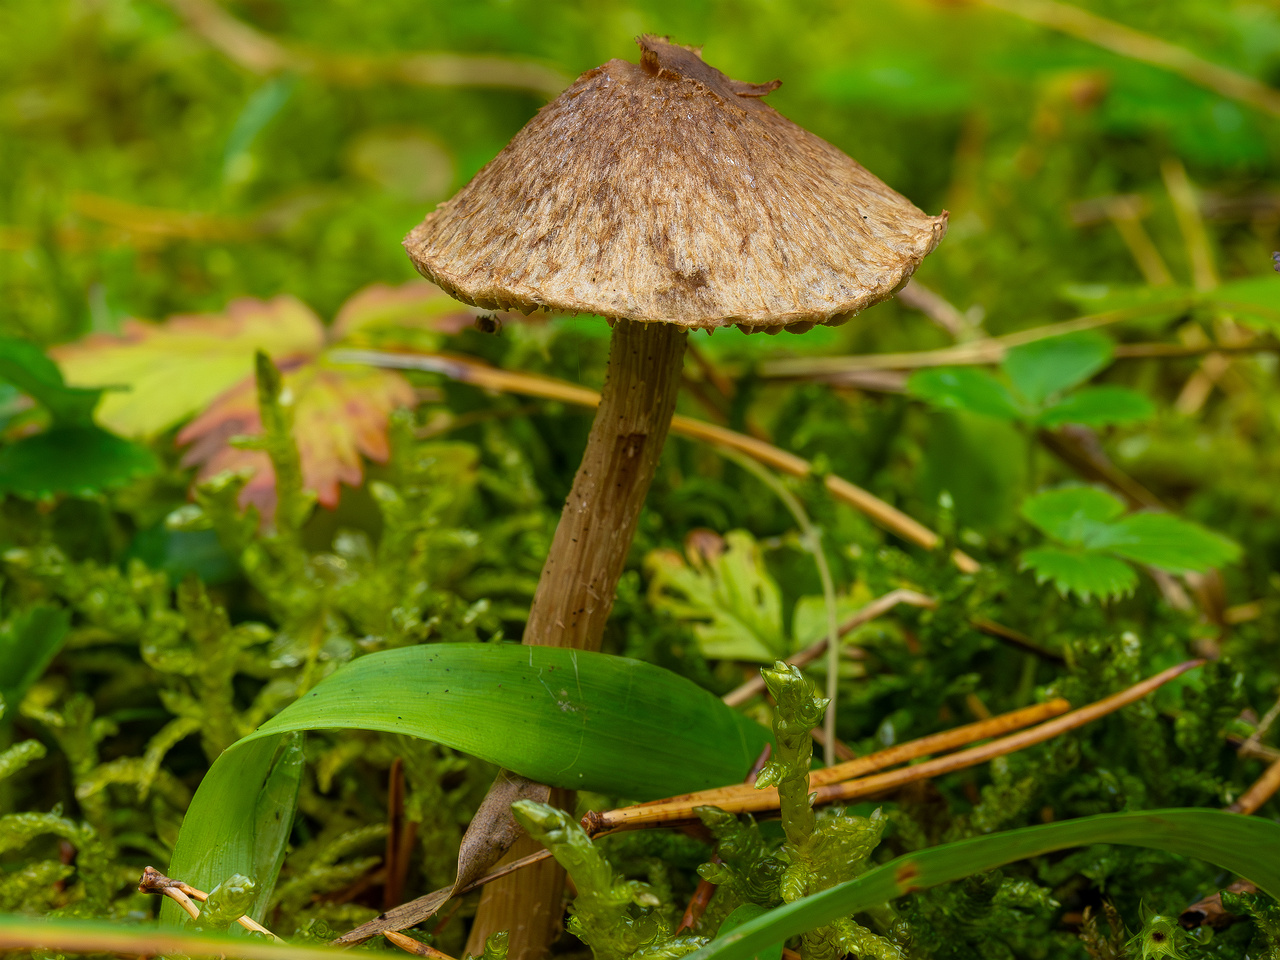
(1141, 46)
(1016, 637)
(1079, 448)
(937, 308)
(880, 783)
(734, 800)
(839, 749)
(1144, 351)
(876, 608)
(1186, 208)
(486, 377)
(1264, 724)
(728, 797)
(260, 54)
(978, 352)
(1125, 213)
(416, 947)
(153, 881)
(1262, 790)
(415, 911)
(399, 837)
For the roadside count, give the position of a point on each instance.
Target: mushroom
(666, 197)
(663, 196)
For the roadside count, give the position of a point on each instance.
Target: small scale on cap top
(665, 191)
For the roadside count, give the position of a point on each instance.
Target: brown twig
(1079, 448)
(937, 308)
(1135, 45)
(153, 881)
(1126, 213)
(1246, 748)
(398, 831)
(415, 911)
(876, 608)
(1016, 637)
(416, 947)
(839, 749)
(735, 800)
(467, 370)
(880, 783)
(729, 797)
(987, 351)
(1262, 790)
(261, 54)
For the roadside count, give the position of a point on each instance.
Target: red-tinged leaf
(339, 416)
(173, 370)
(417, 304)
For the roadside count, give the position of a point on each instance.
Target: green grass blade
(239, 820)
(568, 718)
(60, 935)
(1244, 845)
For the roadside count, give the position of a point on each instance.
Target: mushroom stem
(575, 592)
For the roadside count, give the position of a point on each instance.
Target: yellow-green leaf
(173, 370)
(417, 305)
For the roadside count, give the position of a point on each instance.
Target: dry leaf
(339, 415)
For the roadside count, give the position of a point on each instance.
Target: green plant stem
(811, 539)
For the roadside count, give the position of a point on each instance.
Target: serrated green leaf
(1071, 513)
(1246, 846)
(1084, 573)
(1098, 407)
(727, 595)
(965, 388)
(1045, 367)
(81, 461)
(25, 365)
(1165, 541)
(568, 718)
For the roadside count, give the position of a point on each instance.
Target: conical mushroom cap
(665, 191)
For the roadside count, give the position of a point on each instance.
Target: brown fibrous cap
(666, 191)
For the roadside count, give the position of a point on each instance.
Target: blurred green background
(161, 156)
